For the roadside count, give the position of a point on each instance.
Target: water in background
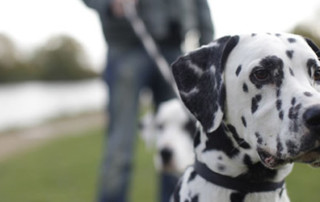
(31, 103)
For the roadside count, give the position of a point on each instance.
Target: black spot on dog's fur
(281, 192)
(219, 140)
(255, 103)
(279, 147)
(278, 92)
(244, 122)
(237, 197)
(195, 198)
(308, 94)
(238, 70)
(241, 142)
(278, 104)
(290, 53)
(245, 88)
(259, 138)
(281, 115)
(292, 147)
(253, 34)
(247, 160)
(293, 101)
(291, 72)
(193, 175)
(292, 40)
(221, 167)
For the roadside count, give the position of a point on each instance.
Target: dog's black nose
(166, 155)
(312, 118)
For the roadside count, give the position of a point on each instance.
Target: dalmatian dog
(257, 100)
(171, 131)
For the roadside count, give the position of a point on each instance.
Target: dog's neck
(225, 153)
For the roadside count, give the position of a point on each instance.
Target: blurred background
(52, 54)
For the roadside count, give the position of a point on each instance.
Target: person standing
(129, 69)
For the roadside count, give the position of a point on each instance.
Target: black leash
(234, 183)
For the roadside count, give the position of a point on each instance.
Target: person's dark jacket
(167, 21)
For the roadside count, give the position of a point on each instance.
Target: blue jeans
(128, 71)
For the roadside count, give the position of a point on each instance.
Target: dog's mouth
(311, 157)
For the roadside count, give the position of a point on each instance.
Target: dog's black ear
(200, 82)
(314, 47)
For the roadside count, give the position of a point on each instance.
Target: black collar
(233, 183)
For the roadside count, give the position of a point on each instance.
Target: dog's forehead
(255, 47)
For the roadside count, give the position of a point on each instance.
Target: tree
(62, 58)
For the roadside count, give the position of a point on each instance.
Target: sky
(30, 23)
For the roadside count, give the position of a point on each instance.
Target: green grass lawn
(66, 170)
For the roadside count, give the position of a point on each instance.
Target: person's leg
(124, 86)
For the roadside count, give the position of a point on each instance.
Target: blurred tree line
(61, 58)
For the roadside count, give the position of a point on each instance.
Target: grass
(66, 170)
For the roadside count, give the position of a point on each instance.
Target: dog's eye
(262, 75)
(316, 75)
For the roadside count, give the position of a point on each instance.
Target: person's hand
(117, 7)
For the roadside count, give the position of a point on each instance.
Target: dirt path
(18, 141)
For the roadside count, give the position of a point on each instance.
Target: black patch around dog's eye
(269, 71)
(308, 94)
(237, 197)
(255, 103)
(289, 53)
(291, 72)
(245, 88)
(238, 70)
(292, 40)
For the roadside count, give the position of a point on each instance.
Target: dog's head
(262, 88)
(171, 129)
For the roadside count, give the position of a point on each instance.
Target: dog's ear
(200, 82)
(314, 47)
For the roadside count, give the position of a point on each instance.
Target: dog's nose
(166, 155)
(312, 118)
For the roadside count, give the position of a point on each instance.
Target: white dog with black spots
(257, 100)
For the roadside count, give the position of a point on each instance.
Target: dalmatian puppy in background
(257, 99)
(170, 131)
